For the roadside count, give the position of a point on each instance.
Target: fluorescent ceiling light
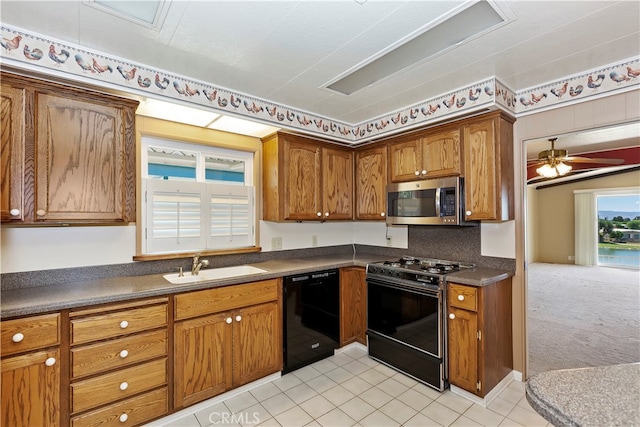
(446, 35)
(175, 113)
(243, 127)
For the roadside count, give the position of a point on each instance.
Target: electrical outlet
(389, 241)
(276, 243)
(314, 240)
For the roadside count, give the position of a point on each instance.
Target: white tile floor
(350, 389)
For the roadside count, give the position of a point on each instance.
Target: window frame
(202, 151)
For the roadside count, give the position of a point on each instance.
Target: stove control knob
(372, 270)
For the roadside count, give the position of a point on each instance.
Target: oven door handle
(417, 289)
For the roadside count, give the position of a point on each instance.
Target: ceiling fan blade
(575, 159)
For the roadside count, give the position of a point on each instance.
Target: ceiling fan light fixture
(553, 170)
(563, 168)
(547, 171)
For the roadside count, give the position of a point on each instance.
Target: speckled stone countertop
(29, 300)
(42, 299)
(479, 276)
(598, 396)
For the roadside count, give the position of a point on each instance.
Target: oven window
(414, 203)
(407, 316)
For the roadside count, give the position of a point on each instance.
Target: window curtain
(586, 229)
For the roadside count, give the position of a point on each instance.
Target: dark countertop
(41, 299)
(479, 276)
(29, 300)
(598, 396)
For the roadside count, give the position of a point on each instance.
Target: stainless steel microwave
(428, 202)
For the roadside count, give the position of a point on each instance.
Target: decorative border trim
(27, 50)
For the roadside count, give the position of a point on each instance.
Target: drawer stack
(119, 363)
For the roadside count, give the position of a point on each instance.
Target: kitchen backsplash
(450, 243)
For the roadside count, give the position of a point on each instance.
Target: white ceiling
(288, 51)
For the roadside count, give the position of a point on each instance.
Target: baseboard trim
(215, 400)
(489, 397)
(350, 346)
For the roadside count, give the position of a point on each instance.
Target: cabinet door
(202, 358)
(463, 349)
(337, 184)
(479, 170)
(405, 160)
(302, 181)
(371, 183)
(353, 306)
(12, 140)
(80, 161)
(31, 389)
(441, 154)
(257, 342)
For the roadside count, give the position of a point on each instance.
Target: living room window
(196, 197)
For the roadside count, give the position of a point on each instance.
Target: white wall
(44, 248)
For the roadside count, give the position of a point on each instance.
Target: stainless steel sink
(213, 274)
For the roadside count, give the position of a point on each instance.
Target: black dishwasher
(311, 317)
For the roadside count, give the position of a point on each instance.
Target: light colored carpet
(582, 316)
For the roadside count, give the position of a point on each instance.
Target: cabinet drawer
(118, 323)
(108, 388)
(29, 333)
(95, 358)
(225, 298)
(130, 412)
(464, 297)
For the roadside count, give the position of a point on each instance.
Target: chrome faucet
(196, 265)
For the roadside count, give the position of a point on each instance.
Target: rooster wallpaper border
(35, 52)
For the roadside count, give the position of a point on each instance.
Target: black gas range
(406, 323)
(408, 269)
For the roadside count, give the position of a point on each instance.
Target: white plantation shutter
(231, 216)
(174, 216)
(191, 216)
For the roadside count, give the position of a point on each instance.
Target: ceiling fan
(554, 163)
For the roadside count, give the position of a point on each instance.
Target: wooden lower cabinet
(31, 389)
(30, 371)
(202, 358)
(480, 335)
(353, 305)
(223, 350)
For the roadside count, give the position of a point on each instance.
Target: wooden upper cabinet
(76, 149)
(405, 158)
(80, 170)
(488, 168)
(305, 180)
(12, 125)
(302, 180)
(371, 183)
(427, 154)
(337, 183)
(441, 153)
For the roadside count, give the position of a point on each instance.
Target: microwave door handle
(438, 202)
